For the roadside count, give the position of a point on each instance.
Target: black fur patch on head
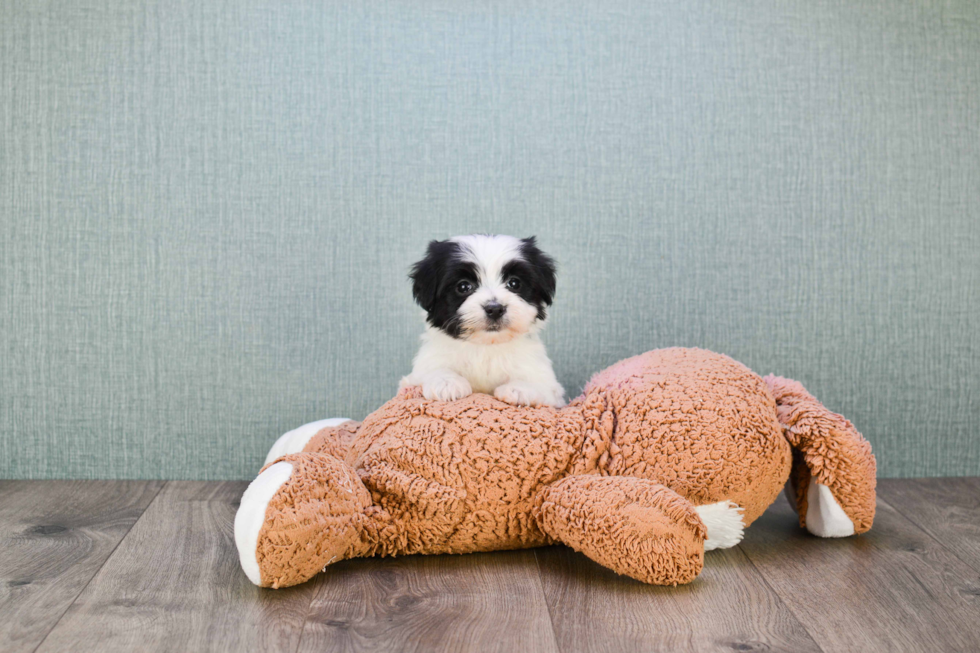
(536, 271)
(434, 281)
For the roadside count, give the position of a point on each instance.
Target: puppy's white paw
(556, 396)
(446, 388)
(527, 394)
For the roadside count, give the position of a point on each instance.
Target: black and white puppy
(486, 300)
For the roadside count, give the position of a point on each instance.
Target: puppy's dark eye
(513, 284)
(464, 288)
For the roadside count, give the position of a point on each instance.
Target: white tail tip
(724, 522)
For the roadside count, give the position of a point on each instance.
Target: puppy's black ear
(426, 275)
(543, 267)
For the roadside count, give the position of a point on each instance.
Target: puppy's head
(484, 289)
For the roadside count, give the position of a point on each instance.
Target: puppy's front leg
(527, 393)
(441, 384)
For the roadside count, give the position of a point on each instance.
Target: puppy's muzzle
(494, 310)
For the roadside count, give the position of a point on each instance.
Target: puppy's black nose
(494, 310)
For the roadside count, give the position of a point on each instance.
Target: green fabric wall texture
(209, 208)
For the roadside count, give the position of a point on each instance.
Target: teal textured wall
(209, 208)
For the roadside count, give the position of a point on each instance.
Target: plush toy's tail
(832, 483)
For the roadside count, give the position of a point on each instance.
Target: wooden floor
(146, 566)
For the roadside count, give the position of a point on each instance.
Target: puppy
(486, 300)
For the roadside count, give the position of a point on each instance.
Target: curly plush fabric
(311, 523)
(831, 450)
(606, 517)
(619, 474)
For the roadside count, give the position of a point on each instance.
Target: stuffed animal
(664, 456)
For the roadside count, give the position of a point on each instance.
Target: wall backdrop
(209, 208)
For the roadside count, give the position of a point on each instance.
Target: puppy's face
(484, 289)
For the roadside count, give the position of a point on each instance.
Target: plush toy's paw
(251, 516)
(295, 441)
(522, 393)
(445, 387)
(303, 512)
(634, 526)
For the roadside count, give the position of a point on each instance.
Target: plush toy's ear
(834, 472)
(426, 275)
(542, 266)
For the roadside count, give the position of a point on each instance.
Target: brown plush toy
(664, 456)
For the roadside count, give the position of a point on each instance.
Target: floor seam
(782, 601)
(107, 558)
(544, 597)
(929, 534)
(309, 610)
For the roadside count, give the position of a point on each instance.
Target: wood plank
(946, 508)
(478, 602)
(729, 607)
(894, 588)
(54, 537)
(174, 583)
